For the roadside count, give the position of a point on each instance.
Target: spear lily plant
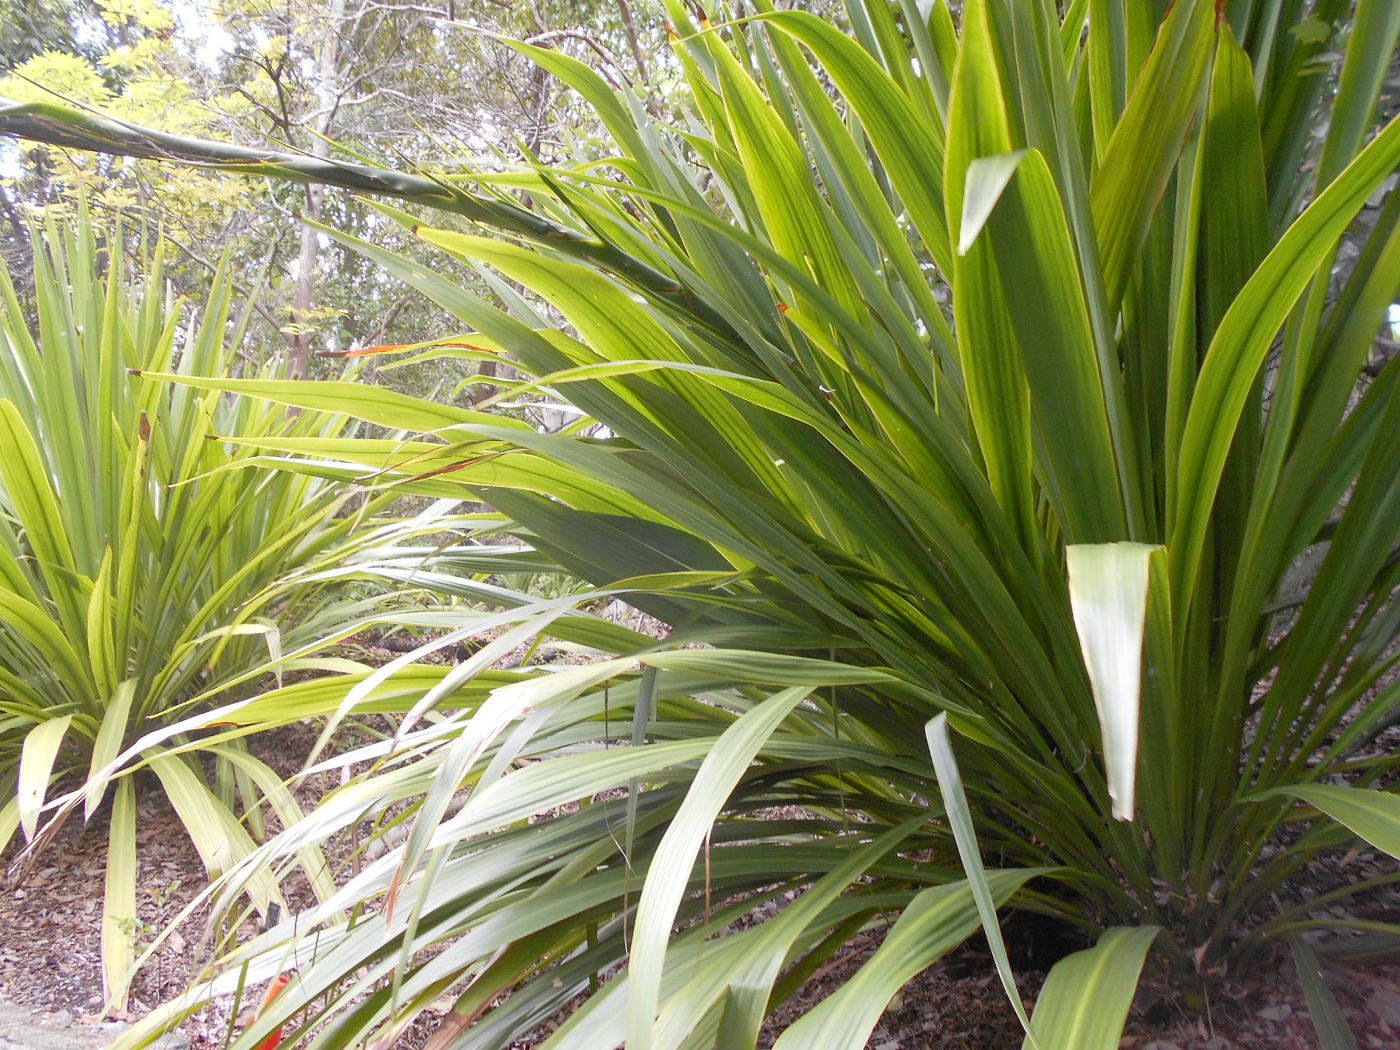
(988, 419)
(150, 572)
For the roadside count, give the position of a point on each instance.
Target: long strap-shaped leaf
(25, 480)
(945, 767)
(1143, 151)
(911, 154)
(73, 128)
(1333, 1032)
(36, 760)
(9, 821)
(998, 397)
(1085, 1001)
(108, 742)
(375, 404)
(1039, 274)
(934, 923)
(675, 857)
(1373, 815)
(119, 903)
(1242, 342)
(748, 971)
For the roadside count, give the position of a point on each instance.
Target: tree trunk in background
(629, 27)
(328, 94)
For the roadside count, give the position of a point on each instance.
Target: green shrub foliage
(984, 411)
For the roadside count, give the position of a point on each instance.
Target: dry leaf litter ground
(50, 975)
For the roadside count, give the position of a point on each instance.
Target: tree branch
(76, 129)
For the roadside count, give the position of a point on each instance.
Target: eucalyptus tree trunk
(328, 97)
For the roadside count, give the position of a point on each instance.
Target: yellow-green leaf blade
(37, 756)
(119, 901)
(1372, 815)
(670, 871)
(1085, 1000)
(1142, 152)
(934, 923)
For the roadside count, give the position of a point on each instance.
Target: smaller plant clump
(148, 568)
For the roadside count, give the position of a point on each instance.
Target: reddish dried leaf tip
(275, 1039)
(143, 428)
(783, 308)
(134, 372)
(273, 990)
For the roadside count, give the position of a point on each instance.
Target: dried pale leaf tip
(1108, 597)
(987, 179)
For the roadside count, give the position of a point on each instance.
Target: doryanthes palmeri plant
(149, 572)
(979, 402)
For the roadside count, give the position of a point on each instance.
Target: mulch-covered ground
(50, 940)
(51, 913)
